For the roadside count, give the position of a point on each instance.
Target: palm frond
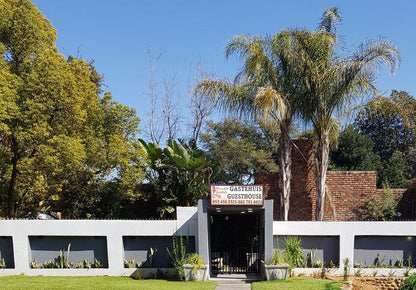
(377, 53)
(333, 133)
(270, 104)
(240, 45)
(330, 19)
(229, 98)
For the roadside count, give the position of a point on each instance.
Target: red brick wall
(270, 190)
(346, 190)
(349, 190)
(302, 197)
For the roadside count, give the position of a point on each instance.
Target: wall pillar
(115, 253)
(346, 249)
(202, 242)
(21, 249)
(268, 229)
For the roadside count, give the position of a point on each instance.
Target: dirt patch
(371, 283)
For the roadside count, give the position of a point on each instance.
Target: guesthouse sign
(237, 195)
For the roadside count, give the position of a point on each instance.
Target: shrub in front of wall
(293, 251)
(409, 283)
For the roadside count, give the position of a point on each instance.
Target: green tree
(179, 174)
(265, 90)
(391, 123)
(58, 137)
(239, 149)
(355, 152)
(393, 171)
(331, 83)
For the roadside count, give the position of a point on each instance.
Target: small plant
(150, 257)
(379, 262)
(34, 264)
(87, 264)
(293, 251)
(3, 264)
(63, 260)
(277, 259)
(409, 261)
(312, 257)
(406, 272)
(409, 283)
(151, 254)
(346, 268)
(332, 264)
(129, 263)
(78, 265)
(195, 260)
(374, 273)
(50, 265)
(357, 273)
(319, 264)
(97, 263)
(305, 261)
(391, 273)
(399, 262)
(178, 254)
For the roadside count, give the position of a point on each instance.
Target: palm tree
(264, 90)
(330, 83)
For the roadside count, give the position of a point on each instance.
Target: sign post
(237, 195)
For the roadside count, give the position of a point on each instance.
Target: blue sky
(118, 34)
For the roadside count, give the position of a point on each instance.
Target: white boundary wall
(113, 230)
(186, 224)
(346, 232)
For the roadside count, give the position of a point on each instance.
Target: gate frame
(237, 266)
(203, 246)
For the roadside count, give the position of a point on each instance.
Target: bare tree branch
(200, 106)
(170, 111)
(153, 131)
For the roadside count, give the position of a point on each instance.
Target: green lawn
(103, 282)
(98, 282)
(297, 284)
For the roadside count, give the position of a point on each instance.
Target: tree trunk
(13, 180)
(285, 166)
(322, 168)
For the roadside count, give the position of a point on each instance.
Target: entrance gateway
(235, 229)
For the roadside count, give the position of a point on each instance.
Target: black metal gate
(235, 243)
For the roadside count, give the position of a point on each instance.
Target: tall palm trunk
(285, 174)
(322, 164)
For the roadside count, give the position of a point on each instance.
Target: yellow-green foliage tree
(58, 137)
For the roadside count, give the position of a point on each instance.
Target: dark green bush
(409, 283)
